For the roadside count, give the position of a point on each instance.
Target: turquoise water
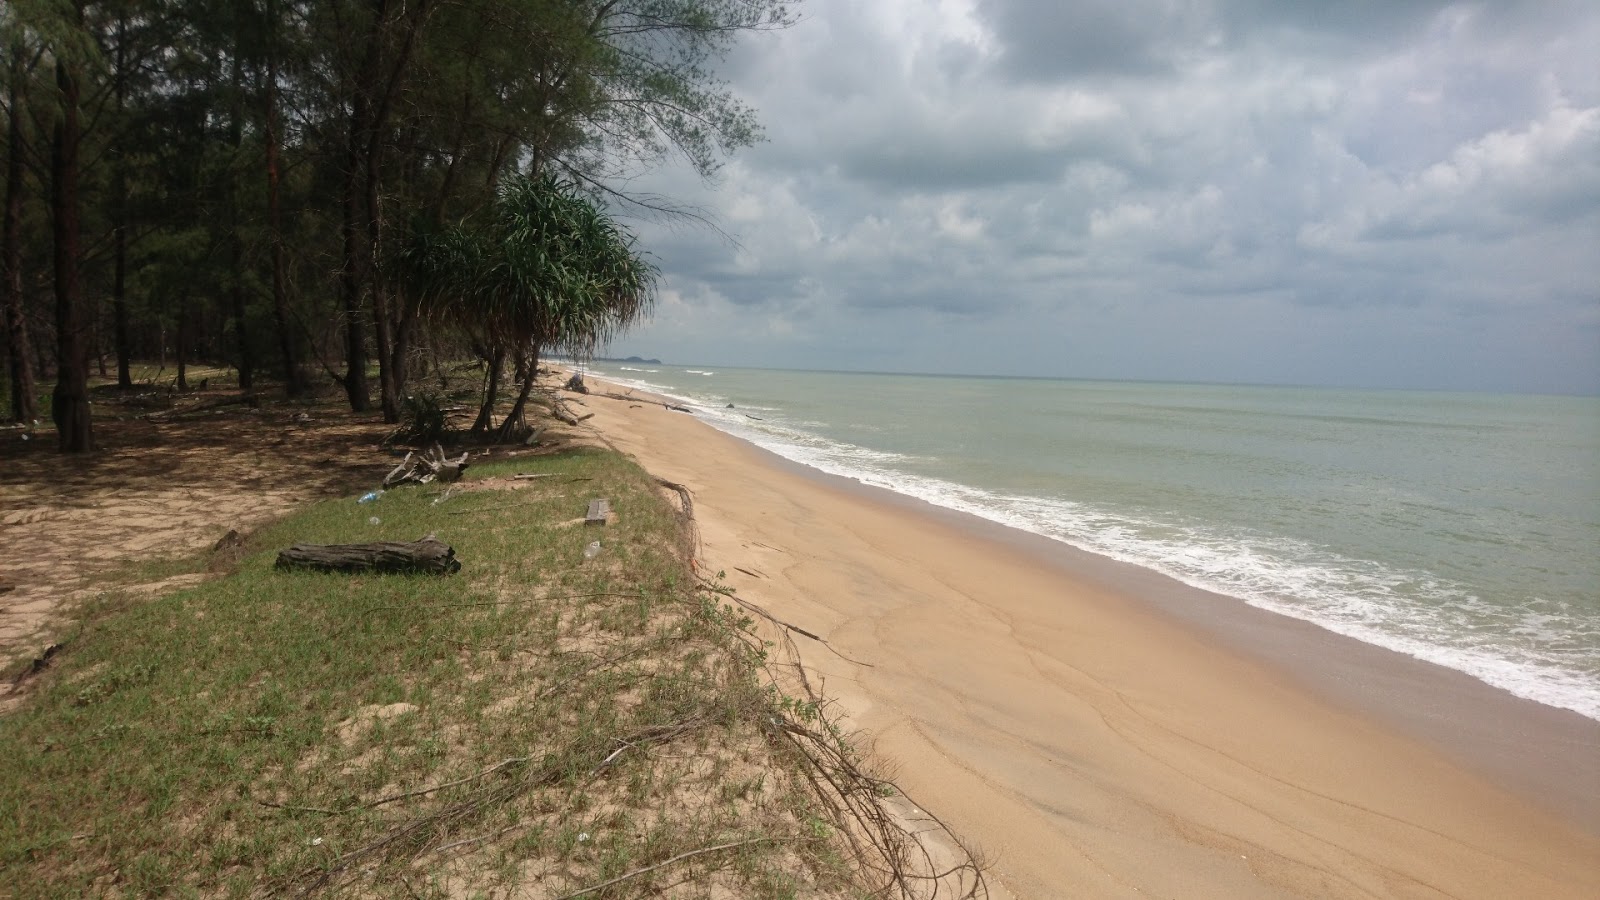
(1463, 529)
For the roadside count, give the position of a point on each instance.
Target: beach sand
(1095, 741)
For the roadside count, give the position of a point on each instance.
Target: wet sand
(1102, 731)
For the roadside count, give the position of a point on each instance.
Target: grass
(539, 723)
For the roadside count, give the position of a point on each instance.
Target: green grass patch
(539, 721)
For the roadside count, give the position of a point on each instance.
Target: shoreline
(1106, 729)
(1549, 754)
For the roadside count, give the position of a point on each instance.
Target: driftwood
(613, 395)
(423, 469)
(559, 409)
(428, 556)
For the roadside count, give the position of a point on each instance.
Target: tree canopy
(240, 181)
(547, 269)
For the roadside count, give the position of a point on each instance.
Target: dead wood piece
(663, 864)
(428, 556)
(613, 395)
(559, 409)
(426, 468)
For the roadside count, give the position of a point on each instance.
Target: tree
(294, 385)
(549, 270)
(70, 401)
(207, 166)
(19, 347)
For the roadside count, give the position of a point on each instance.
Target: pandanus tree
(547, 270)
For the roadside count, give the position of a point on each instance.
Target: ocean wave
(1410, 612)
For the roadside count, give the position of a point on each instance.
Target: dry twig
(662, 865)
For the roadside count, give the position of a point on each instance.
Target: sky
(1365, 193)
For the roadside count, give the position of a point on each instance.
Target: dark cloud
(1053, 41)
(1366, 26)
(1400, 193)
(913, 163)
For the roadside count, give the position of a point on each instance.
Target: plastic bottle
(591, 551)
(370, 496)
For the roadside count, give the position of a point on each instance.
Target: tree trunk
(514, 419)
(119, 225)
(358, 249)
(235, 238)
(71, 398)
(355, 378)
(282, 316)
(403, 331)
(501, 151)
(382, 98)
(246, 361)
(447, 184)
(183, 341)
(491, 390)
(388, 391)
(119, 289)
(23, 392)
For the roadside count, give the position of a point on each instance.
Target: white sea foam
(1406, 611)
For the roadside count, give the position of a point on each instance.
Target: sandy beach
(1097, 735)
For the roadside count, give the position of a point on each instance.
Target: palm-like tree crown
(549, 270)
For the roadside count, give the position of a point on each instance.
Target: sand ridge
(1093, 747)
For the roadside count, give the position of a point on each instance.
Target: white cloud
(1188, 180)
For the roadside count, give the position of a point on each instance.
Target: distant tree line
(302, 189)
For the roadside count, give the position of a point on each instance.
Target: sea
(1458, 528)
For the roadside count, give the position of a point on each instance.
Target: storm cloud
(1401, 194)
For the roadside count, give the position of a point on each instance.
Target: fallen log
(428, 556)
(560, 411)
(632, 399)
